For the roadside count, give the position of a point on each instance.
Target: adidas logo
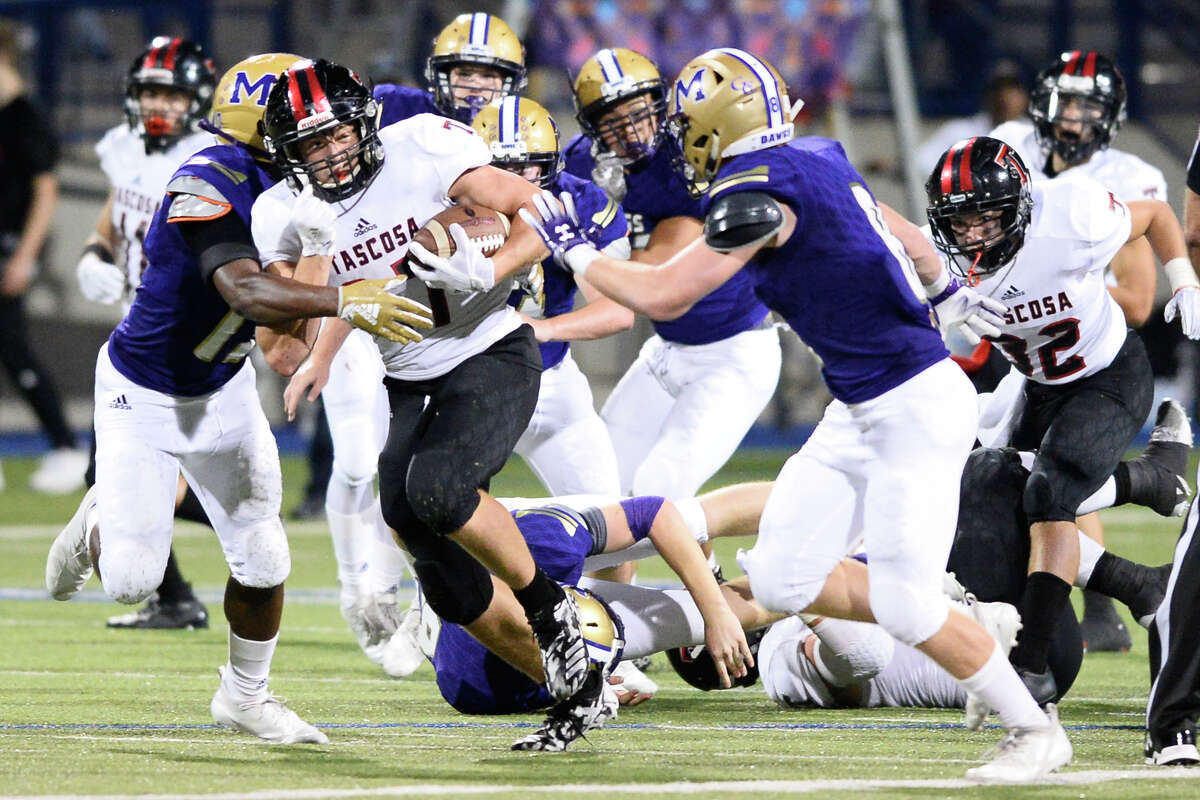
(1011, 292)
(363, 227)
(120, 403)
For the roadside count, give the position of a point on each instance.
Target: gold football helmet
(481, 40)
(724, 103)
(603, 631)
(241, 98)
(520, 134)
(609, 78)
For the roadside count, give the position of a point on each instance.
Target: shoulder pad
(741, 219)
(194, 198)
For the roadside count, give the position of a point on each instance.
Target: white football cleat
(402, 652)
(1027, 755)
(60, 472)
(266, 717)
(69, 562)
(634, 683)
(1002, 621)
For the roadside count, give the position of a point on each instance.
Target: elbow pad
(742, 219)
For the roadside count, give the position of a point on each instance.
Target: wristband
(99, 251)
(1180, 274)
(952, 286)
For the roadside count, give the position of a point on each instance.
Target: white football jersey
(139, 181)
(423, 157)
(1061, 323)
(1123, 173)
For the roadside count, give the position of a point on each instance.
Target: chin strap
(972, 275)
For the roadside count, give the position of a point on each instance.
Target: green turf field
(86, 712)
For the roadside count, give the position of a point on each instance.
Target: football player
(702, 379)
(459, 399)
(168, 91)
(797, 222)
(1041, 248)
(174, 392)
(476, 60)
(566, 444)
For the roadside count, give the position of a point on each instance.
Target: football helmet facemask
(603, 631)
(520, 134)
(474, 40)
(171, 63)
(1077, 105)
(614, 77)
(979, 176)
(313, 100)
(724, 103)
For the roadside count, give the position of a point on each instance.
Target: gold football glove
(375, 307)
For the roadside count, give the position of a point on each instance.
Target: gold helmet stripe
(774, 103)
(479, 28)
(609, 65)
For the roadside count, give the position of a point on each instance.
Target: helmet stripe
(172, 50)
(1069, 69)
(964, 168)
(319, 101)
(948, 170)
(294, 96)
(609, 65)
(151, 58)
(770, 87)
(1089, 66)
(508, 119)
(479, 28)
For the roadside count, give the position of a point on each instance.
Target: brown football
(486, 227)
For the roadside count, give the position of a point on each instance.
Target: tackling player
(460, 399)
(174, 392)
(168, 90)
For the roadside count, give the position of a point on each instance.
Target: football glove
(468, 270)
(375, 307)
(1186, 303)
(314, 221)
(558, 225)
(100, 281)
(973, 314)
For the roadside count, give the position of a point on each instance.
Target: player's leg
(234, 469)
(722, 389)
(1103, 630)
(636, 409)
(567, 444)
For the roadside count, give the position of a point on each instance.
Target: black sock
(1121, 476)
(540, 595)
(1044, 594)
(1117, 577)
(174, 589)
(191, 510)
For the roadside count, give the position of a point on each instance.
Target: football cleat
(1101, 628)
(60, 472)
(402, 652)
(1156, 477)
(955, 590)
(560, 639)
(1026, 754)
(266, 717)
(353, 613)
(185, 615)
(592, 706)
(1002, 621)
(1176, 749)
(69, 563)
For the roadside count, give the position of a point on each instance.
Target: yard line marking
(1081, 778)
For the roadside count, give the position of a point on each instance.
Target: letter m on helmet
(682, 90)
(257, 90)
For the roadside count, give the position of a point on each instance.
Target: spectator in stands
(28, 196)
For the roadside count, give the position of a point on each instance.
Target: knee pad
(788, 593)
(258, 556)
(440, 498)
(355, 455)
(910, 614)
(1041, 499)
(131, 571)
(458, 590)
(850, 652)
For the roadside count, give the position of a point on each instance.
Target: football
(485, 227)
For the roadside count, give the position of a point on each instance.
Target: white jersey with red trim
(139, 181)
(1126, 175)
(1061, 323)
(423, 157)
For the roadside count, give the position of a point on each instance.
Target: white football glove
(468, 270)
(100, 281)
(1186, 303)
(973, 314)
(314, 221)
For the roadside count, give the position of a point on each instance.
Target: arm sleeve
(216, 242)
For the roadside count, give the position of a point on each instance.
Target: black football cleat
(1101, 628)
(1041, 685)
(1175, 748)
(560, 639)
(588, 709)
(186, 615)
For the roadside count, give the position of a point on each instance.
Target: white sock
(693, 515)
(351, 544)
(1089, 553)
(249, 665)
(997, 684)
(1104, 497)
(389, 563)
